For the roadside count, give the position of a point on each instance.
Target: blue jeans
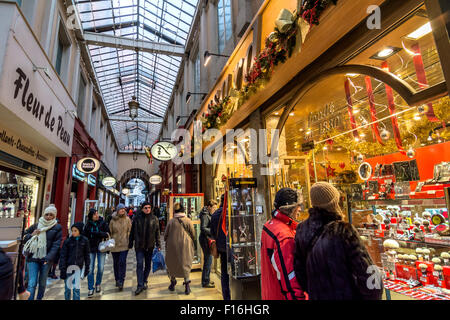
(75, 279)
(224, 277)
(207, 261)
(101, 256)
(142, 256)
(37, 274)
(120, 265)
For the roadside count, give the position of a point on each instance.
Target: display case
(410, 240)
(193, 203)
(242, 236)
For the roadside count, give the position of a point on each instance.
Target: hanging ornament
(342, 165)
(331, 171)
(422, 109)
(284, 21)
(411, 152)
(273, 37)
(360, 158)
(385, 135)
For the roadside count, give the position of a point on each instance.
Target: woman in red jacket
(278, 281)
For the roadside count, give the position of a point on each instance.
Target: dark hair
(146, 203)
(178, 207)
(211, 203)
(91, 213)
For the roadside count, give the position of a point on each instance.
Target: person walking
(278, 280)
(144, 235)
(331, 261)
(120, 228)
(205, 235)
(43, 240)
(218, 234)
(179, 238)
(96, 230)
(6, 277)
(74, 255)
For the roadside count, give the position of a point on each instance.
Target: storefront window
(409, 52)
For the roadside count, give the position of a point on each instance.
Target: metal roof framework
(135, 48)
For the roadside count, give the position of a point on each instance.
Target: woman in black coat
(331, 262)
(6, 277)
(96, 230)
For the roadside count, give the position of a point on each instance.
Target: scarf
(37, 245)
(179, 215)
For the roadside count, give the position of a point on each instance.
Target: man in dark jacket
(331, 262)
(6, 277)
(145, 235)
(96, 230)
(205, 234)
(221, 243)
(74, 254)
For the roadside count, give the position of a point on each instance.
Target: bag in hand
(106, 245)
(213, 248)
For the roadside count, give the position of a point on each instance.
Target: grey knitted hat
(325, 196)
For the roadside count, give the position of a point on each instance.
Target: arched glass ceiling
(123, 72)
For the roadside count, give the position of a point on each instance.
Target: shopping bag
(158, 261)
(213, 248)
(107, 245)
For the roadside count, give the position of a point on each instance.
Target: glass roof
(123, 73)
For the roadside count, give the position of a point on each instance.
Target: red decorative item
(330, 171)
(391, 104)
(350, 108)
(342, 165)
(373, 111)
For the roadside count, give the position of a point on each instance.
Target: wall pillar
(62, 191)
(81, 197)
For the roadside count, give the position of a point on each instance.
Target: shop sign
(109, 182)
(88, 165)
(77, 174)
(30, 89)
(91, 180)
(326, 119)
(156, 179)
(22, 146)
(307, 146)
(163, 151)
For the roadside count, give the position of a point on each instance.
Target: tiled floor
(158, 286)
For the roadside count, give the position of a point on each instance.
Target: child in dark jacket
(74, 254)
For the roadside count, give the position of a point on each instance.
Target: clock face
(163, 151)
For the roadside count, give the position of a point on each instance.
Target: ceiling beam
(138, 119)
(132, 44)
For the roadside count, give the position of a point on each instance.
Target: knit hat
(286, 200)
(325, 196)
(79, 226)
(178, 207)
(120, 206)
(146, 203)
(51, 209)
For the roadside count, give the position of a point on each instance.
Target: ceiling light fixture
(385, 53)
(420, 32)
(134, 106)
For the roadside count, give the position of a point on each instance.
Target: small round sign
(125, 191)
(109, 181)
(163, 151)
(88, 165)
(156, 179)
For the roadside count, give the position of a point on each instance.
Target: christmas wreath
(217, 114)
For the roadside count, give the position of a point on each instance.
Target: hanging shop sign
(163, 151)
(77, 174)
(156, 179)
(109, 182)
(125, 191)
(88, 165)
(30, 89)
(91, 180)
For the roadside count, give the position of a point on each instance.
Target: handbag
(158, 260)
(213, 245)
(107, 245)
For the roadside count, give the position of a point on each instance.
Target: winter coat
(53, 235)
(337, 265)
(218, 235)
(6, 277)
(179, 247)
(119, 229)
(96, 232)
(205, 227)
(74, 253)
(138, 228)
(278, 281)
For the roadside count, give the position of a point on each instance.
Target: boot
(187, 287)
(172, 285)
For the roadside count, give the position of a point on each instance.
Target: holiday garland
(279, 46)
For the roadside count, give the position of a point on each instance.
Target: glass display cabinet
(193, 203)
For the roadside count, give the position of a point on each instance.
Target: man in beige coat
(120, 227)
(179, 238)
